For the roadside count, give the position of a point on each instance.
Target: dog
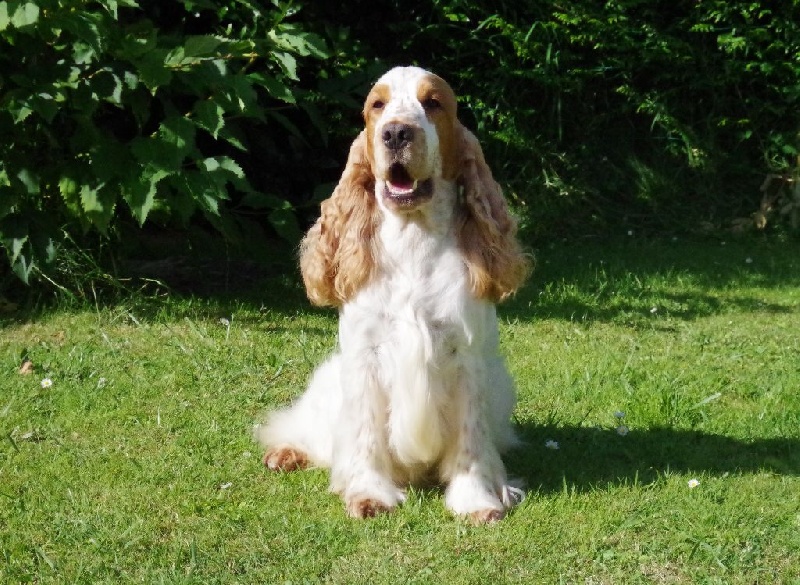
(415, 247)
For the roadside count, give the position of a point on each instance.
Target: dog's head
(412, 151)
(411, 135)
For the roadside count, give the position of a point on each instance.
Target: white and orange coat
(414, 247)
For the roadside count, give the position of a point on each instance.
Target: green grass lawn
(650, 364)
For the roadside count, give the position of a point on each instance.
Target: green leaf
(232, 136)
(90, 201)
(19, 109)
(15, 239)
(70, 193)
(168, 149)
(179, 132)
(67, 186)
(152, 70)
(243, 96)
(26, 14)
(206, 193)
(30, 180)
(176, 58)
(113, 5)
(140, 38)
(291, 38)
(98, 204)
(16, 245)
(201, 46)
(22, 267)
(83, 53)
(5, 20)
(140, 193)
(46, 105)
(209, 116)
(284, 221)
(195, 50)
(287, 63)
(86, 25)
(274, 87)
(223, 163)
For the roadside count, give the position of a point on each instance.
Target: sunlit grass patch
(660, 445)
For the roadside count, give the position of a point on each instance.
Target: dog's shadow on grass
(585, 458)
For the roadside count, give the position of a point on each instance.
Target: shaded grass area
(137, 465)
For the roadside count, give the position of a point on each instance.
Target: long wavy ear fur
(337, 255)
(486, 230)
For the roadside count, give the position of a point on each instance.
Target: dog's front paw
(469, 497)
(489, 516)
(285, 459)
(372, 495)
(364, 507)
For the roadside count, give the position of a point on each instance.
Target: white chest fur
(415, 326)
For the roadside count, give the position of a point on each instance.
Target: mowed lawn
(659, 398)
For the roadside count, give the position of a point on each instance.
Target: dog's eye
(377, 105)
(431, 104)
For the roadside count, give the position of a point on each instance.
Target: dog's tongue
(399, 180)
(401, 186)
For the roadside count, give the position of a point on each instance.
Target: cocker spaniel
(414, 247)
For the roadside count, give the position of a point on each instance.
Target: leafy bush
(599, 117)
(652, 115)
(118, 108)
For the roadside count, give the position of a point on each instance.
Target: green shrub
(618, 114)
(123, 109)
(236, 115)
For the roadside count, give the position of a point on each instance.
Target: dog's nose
(396, 136)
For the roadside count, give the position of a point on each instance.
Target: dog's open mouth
(405, 191)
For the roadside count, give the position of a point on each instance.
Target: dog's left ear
(487, 231)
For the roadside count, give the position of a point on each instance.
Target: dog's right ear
(337, 255)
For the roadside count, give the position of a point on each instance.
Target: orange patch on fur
(378, 97)
(366, 507)
(486, 517)
(434, 88)
(285, 459)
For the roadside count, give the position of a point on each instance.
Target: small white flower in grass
(693, 483)
(225, 486)
(654, 310)
(227, 324)
(619, 414)
(551, 444)
(622, 430)
(630, 232)
(748, 260)
(47, 383)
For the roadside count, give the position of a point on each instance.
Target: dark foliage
(118, 117)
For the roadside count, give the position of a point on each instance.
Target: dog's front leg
(361, 469)
(472, 467)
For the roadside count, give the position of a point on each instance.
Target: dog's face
(411, 127)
